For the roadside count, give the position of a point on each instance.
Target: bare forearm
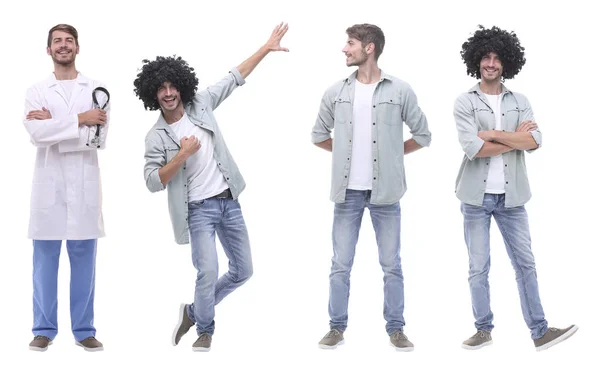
(492, 149)
(168, 171)
(516, 140)
(246, 67)
(327, 145)
(410, 146)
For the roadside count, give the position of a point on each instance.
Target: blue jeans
(347, 218)
(514, 227)
(223, 216)
(82, 257)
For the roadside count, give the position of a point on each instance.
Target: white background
(274, 322)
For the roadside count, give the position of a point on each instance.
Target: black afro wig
(505, 44)
(165, 69)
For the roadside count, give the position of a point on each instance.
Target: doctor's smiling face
(62, 47)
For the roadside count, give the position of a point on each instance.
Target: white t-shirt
(361, 166)
(495, 178)
(203, 175)
(67, 87)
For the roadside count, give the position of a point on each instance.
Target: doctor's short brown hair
(368, 33)
(65, 28)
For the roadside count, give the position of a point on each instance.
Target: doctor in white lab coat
(66, 196)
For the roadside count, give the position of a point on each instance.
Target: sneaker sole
(88, 349)
(467, 347)
(558, 340)
(39, 349)
(402, 349)
(181, 313)
(200, 349)
(333, 347)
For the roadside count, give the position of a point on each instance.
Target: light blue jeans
(514, 227)
(82, 257)
(222, 216)
(347, 219)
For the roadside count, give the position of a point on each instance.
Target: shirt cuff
(474, 147)
(155, 183)
(238, 77)
(319, 137)
(423, 140)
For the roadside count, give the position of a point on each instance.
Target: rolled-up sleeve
(414, 118)
(155, 159)
(216, 93)
(466, 127)
(537, 134)
(239, 79)
(324, 124)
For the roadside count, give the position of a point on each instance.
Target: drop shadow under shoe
(40, 343)
(332, 339)
(203, 343)
(401, 342)
(554, 336)
(90, 344)
(480, 339)
(183, 325)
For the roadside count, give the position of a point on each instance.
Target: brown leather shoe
(91, 344)
(40, 343)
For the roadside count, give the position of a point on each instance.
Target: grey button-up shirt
(394, 103)
(473, 113)
(162, 145)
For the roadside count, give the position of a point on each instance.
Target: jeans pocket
(197, 202)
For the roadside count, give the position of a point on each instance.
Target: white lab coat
(66, 195)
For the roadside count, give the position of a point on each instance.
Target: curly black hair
(505, 44)
(165, 69)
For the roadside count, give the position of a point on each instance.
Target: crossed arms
(498, 142)
(46, 129)
(481, 144)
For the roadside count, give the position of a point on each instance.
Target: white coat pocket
(91, 185)
(43, 193)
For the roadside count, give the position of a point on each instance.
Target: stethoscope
(96, 139)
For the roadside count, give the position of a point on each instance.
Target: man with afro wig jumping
(495, 127)
(186, 154)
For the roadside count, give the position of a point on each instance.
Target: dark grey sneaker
(480, 339)
(183, 325)
(40, 343)
(332, 339)
(90, 344)
(202, 343)
(400, 342)
(554, 336)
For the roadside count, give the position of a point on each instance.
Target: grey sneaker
(554, 336)
(40, 343)
(399, 340)
(90, 344)
(183, 325)
(480, 339)
(202, 343)
(332, 339)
